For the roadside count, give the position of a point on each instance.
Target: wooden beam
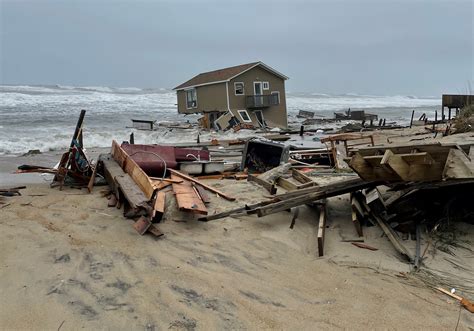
(324, 192)
(301, 177)
(393, 237)
(234, 211)
(321, 229)
(207, 187)
(300, 193)
(118, 180)
(418, 158)
(356, 208)
(132, 168)
(396, 164)
(458, 165)
(362, 167)
(286, 184)
(92, 180)
(159, 205)
(265, 184)
(202, 193)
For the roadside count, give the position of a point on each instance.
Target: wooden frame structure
(426, 162)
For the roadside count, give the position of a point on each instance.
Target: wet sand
(66, 258)
(68, 261)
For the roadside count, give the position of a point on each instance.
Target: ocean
(44, 117)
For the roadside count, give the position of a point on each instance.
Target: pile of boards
(400, 189)
(143, 197)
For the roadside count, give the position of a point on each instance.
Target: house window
(266, 85)
(239, 88)
(275, 99)
(191, 98)
(245, 116)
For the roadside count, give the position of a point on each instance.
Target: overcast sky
(381, 47)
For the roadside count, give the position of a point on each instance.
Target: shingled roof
(223, 75)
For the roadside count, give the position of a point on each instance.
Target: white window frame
(248, 115)
(235, 88)
(262, 125)
(265, 84)
(276, 92)
(186, 95)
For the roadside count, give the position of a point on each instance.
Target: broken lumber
(393, 237)
(463, 301)
(321, 228)
(122, 184)
(207, 187)
(323, 192)
(266, 185)
(133, 169)
(187, 197)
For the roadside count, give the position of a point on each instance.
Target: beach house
(251, 94)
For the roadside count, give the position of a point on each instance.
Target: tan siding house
(251, 93)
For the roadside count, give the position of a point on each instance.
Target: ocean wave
(43, 117)
(67, 89)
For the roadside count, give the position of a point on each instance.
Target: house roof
(224, 75)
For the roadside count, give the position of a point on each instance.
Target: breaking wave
(43, 117)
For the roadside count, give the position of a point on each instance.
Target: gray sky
(372, 47)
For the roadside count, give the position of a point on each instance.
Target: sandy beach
(69, 262)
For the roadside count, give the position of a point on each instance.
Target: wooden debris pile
(427, 186)
(143, 197)
(422, 186)
(74, 168)
(414, 163)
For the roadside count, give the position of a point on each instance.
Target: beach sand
(69, 262)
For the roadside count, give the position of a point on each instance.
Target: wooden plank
(159, 185)
(418, 158)
(202, 193)
(327, 191)
(234, 211)
(396, 164)
(111, 170)
(363, 168)
(132, 193)
(302, 192)
(92, 180)
(169, 180)
(343, 137)
(187, 198)
(356, 208)
(300, 176)
(286, 184)
(373, 160)
(132, 168)
(121, 183)
(159, 205)
(207, 187)
(458, 165)
(267, 185)
(321, 229)
(393, 237)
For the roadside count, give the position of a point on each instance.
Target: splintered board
(133, 169)
(187, 197)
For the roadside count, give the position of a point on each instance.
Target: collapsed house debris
(405, 190)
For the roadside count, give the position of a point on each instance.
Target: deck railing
(261, 101)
